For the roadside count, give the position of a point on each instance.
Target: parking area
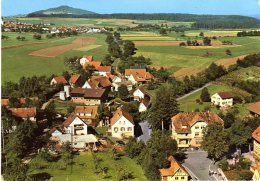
(198, 165)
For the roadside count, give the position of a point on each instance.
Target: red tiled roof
(189, 119)
(175, 166)
(4, 102)
(118, 114)
(255, 108)
(69, 120)
(104, 69)
(92, 110)
(87, 93)
(90, 58)
(97, 81)
(95, 64)
(139, 74)
(74, 79)
(54, 129)
(225, 95)
(23, 112)
(256, 134)
(60, 80)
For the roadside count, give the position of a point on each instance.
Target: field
(83, 168)
(52, 52)
(16, 62)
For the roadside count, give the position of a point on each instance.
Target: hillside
(201, 21)
(66, 10)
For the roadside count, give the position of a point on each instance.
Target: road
(192, 92)
(146, 131)
(198, 165)
(46, 104)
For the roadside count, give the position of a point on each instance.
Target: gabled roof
(4, 102)
(256, 134)
(97, 81)
(118, 114)
(95, 64)
(60, 80)
(225, 95)
(70, 119)
(139, 74)
(90, 58)
(24, 112)
(104, 69)
(175, 166)
(74, 79)
(142, 90)
(22, 100)
(187, 120)
(54, 129)
(255, 108)
(146, 102)
(92, 110)
(87, 93)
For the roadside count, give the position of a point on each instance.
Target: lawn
(61, 107)
(83, 168)
(17, 63)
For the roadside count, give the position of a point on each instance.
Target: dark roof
(255, 108)
(87, 93)
(225, 95)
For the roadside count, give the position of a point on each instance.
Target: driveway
(193, 92)
(198, 165)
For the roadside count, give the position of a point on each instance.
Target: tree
(215, 141)
(163, 32)
(206, 41)
(70, 109)
(123, 92)
(240, 133)
(134, 148)
(37, 36)
(66, 155)
(228, 52)
(115, 50)
(8, 120)
(66, 75)
(110, 38)
(107, 60)
(164, 107)
(128, 48)
(14, 102)
(201, 34)
(205, 96)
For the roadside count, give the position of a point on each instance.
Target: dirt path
(226, 62)
(23, 45)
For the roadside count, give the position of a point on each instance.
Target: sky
(227, 7)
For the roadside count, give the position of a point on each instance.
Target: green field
(17, 63)
(83, 168)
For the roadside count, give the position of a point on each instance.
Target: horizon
(203, 7)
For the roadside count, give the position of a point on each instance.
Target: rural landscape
(129, 95)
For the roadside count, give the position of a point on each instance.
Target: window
(176, 178)
(197, 133)
(122, 129)
(202, 127)
(182, 178)
(197, 127)
(115, 129)
(129, 129)
(75, 143)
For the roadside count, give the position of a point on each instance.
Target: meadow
(16, 62)
(83, 168)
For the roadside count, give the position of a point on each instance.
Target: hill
(65, 10)
(200, 21)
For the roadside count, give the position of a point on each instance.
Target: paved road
(198, 165)
(146, 131)
(192, 92)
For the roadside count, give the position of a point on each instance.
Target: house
(74, 79)
(140, 94)
(175, 172)
(256, 144)
(87, 113)
(56, 131)
(74, 125)
(22, 100)
(98, 82)
(58, 80)
(103, 70)
(222, 99)
(85, 59)
(138, 76)
(94, 64)
(254, 109)
(87, 96)
(24, 113)
(116, 85)
(144, 105)
(122, 124)
(256, 172)
(187, 127)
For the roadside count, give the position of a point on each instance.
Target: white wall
(122, 123)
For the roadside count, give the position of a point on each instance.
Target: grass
(83, 168)
(62, 106)
(17, 63)
(87, 48)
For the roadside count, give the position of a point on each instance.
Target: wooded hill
(200, 21)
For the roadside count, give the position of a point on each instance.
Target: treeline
(248, 33)
(201, 21)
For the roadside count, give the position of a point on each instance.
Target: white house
(122, 124)
(222, 99)
(58, 80)
(103, 71)
(75, 126)
(85, 59)
(144, 105)
(56, 131)
(139, 94)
